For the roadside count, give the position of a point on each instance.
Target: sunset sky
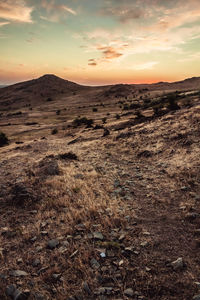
(100, 42)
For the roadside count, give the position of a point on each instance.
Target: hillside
(99, 195)
(34, 91)
(50, 87)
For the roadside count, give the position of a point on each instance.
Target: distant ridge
(51, 87)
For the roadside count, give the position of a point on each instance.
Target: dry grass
(139, 187)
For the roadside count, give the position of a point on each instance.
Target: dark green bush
(94, 109)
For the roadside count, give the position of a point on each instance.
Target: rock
(44, 232)
(196, 297)
(98, 236)
(15, 294)
(117, 183)
(178, 264)
(19, 273)
(10, 290)
(102, 254)
(36, 262)
(39, 296)
(38, 248)
(191, 217)
(56, 276)
(128, 292)
(86, 288)
(34, 239)
(94, 264)
(52, 244)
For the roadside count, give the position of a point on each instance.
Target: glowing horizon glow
(100, 42)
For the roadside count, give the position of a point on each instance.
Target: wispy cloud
(92, 62)
(15, 10)
(145, 66)
(54, 11)
(4, 23)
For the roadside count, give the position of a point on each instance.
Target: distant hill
(50, 87)
(46, 87)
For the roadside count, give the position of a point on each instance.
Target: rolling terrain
(100, 191)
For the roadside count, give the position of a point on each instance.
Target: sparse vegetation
(3, 139)
(104, 120)
(117, 116)
(83, 121)
(95, 109)
(54, 131)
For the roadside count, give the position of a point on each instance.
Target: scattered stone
(178, 264)
(196, 297)
(34, 239)
(117, 183)
(39, 296)
(129, 292)
(52, 244)
(122, 237)
(56, 276)
(144, 244)
(102, 254)
(191, 217)
(86, 288)
(94, 264)
(98, 236)
(44, 232)
(19, 273)
(36, 262)
(38, 248)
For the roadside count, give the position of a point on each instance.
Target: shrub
(104, 120)
(139, 114)
(134, 105)
(125, 107)
(49, 99)
(58, 112)
(82, 121)
(54, 131)
(3, 139)
(94, 109)
(172, 102)
(117, 116)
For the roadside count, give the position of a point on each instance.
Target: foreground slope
(103, 217)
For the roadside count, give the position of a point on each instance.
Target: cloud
(54, 11)
(145, 66)
(15, 10)
(109, 52)
(92, 62)
(4, 23)
(123, 13)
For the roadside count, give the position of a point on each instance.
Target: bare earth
(100, 212)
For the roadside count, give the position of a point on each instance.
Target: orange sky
(100, 42)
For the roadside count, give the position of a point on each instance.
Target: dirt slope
(119, 209)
